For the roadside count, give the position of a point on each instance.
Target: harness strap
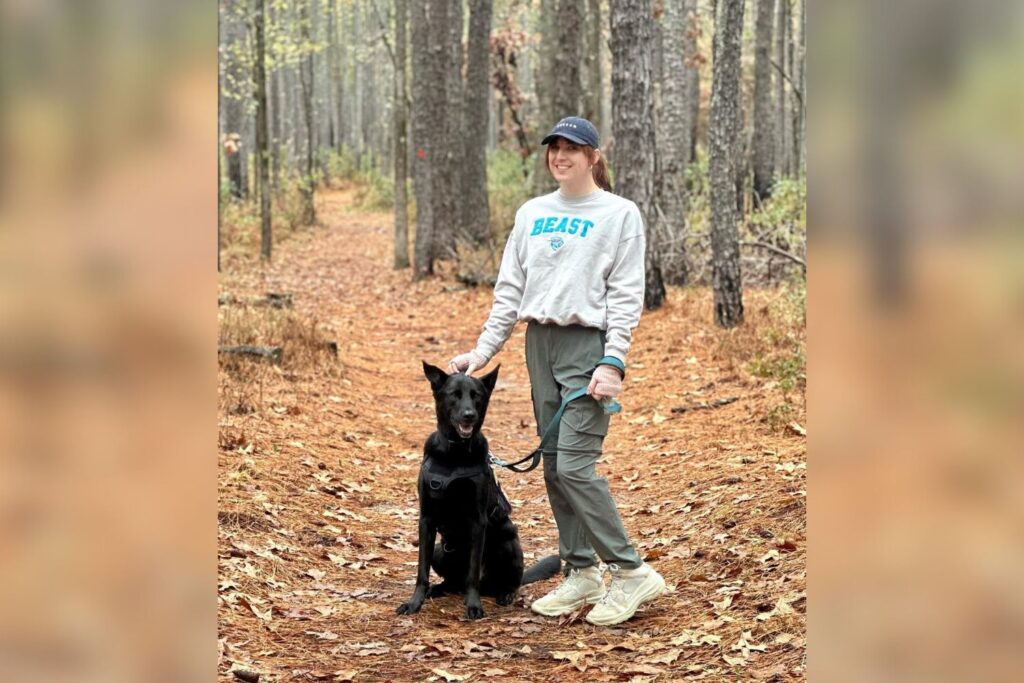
(547, 442)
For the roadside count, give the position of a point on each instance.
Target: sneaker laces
(569, 580)
(615, 587)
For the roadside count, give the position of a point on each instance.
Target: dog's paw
(474, 612)
(507, 599)
(410, 607)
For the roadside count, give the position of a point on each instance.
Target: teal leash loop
(550, 435)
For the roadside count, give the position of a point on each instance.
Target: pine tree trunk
(476, 211)
(544, 81)
(632, 34)
(763, 140)
(306, 81)
(692, 76)
(801, 81)
(722, 163)
(235, 98)
(780, 85)
(401, 151)
(569, 23)
(595, 81)
(674, 145)
(262, 134)
(424, 92)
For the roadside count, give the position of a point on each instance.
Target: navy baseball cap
(573, 128)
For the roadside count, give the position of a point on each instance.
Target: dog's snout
(469, 415)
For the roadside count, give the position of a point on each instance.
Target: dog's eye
(474, 394)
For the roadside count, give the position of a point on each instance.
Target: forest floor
(318, 458)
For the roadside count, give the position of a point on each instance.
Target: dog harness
(438, 478)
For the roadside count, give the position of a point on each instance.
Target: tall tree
(569, 28)
(592, 95)
(722, 163)
(692, 76)
(425, 101)
(401, 148)
(796, 68)
(447, 21)
(476, 212)
(235, 93)
(781, 118)
(673, 148)
(544, 83)
(306, 81)
(763, 139)
(632, 33)
(262, 134)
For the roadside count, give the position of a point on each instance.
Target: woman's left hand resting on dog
(467, 362)
(606, 382)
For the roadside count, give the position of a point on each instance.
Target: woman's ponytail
(601, 175)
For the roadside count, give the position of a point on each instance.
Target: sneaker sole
(569, 608)
(645, 594)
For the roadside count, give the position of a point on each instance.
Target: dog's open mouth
(465, 430)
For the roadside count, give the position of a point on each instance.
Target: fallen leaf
(666, 658)
(493, 672)
(449, 676)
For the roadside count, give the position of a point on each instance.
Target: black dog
(460, 498)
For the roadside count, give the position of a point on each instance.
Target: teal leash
(549, 440)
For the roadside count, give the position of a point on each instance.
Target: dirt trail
(317, 490)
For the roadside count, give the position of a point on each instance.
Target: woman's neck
(582, 190)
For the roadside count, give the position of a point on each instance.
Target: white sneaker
(581, 586)
(629, 589)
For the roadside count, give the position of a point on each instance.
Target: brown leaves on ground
(317, 468)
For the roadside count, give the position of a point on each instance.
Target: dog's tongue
(465, 430)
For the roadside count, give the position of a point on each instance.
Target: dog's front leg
(428, 534)
(478, 531)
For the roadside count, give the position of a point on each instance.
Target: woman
(573, 268)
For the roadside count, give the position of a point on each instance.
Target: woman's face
(568, 162)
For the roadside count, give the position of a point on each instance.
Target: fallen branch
(717, 403)
(777, 250)
(273, 353)
(272, 299)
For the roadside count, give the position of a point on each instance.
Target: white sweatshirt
(571, 261)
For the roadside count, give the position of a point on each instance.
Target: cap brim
(569, 137)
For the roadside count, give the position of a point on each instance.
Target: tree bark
(476, 211)
(401, 151)
(234, 94)
(722, 163)
(424, 92)
(569, 26)
(781, 146)
(692, 76)
(262, 134)
(544, 81)
(632, 33)
(762, 141)
(673, 149)
(306, 81)
(592, 61)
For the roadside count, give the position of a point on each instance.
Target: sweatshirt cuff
(615, 363)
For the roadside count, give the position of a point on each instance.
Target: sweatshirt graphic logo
(556, 242)
(564, 224)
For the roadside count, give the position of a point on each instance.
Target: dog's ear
(436, 375)
(490, 379)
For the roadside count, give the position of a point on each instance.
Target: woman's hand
(467, 362)
(606, 381)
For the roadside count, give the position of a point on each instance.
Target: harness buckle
(436, 484)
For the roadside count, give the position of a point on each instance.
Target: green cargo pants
(560, 359)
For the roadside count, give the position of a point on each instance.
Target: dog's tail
(544, 568)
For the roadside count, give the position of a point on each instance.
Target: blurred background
(109, 147)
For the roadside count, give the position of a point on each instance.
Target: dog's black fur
(460, 498)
